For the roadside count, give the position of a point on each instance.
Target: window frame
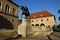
(36, 20)
(12, 20)
(1, 5)
(41, 19)
(37, 25)
(47, 19)
(13, 11)
(32, 24)
(32, 21)
(7, 8)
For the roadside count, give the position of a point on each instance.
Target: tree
(59, 12)
(58, 26)
(59, 17)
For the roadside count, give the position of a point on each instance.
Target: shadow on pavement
(57, 30)
(11, 38)
(57, 36)
(49, 37)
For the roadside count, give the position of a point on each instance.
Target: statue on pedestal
(27, 25)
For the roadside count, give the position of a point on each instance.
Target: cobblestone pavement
(54, 36)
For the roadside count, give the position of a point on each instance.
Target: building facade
(9, 10)
(43, 18)
(37, 23)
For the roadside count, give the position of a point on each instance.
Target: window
(12, 20)
(41, 15)
(34, 16)
(49, 26)
(32, 24)
(0, 4)
(42, 24)
(32, 20)
(37, 25)
(47, 19)
(36, 20)
(7, 8)
(41, 19)
(14, 10)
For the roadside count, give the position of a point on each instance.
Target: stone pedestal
(22, 28)
(25, 28)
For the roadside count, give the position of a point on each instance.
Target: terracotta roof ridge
(41, 11)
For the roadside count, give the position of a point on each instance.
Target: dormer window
(41, 15)
(34, 16)
(13, 11)
(7, 8)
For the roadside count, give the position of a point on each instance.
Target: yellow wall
(11, 6)
(50, 21)
(12, 18)
(8, 15)
(27, 25)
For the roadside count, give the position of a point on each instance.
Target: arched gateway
(5, 24)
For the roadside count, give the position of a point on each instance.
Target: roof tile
(40, 14)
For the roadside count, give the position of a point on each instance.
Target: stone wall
(26, 30)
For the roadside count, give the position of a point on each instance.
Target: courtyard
(53, 36)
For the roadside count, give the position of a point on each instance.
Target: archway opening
(42, 24)
(37, 25)
(5, 24)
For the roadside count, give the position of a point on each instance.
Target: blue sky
(39, 5)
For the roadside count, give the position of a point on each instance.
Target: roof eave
(41, 17)
(13, 3)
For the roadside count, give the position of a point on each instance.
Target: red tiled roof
(40, 14)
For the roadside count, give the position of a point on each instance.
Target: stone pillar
(22, 28)
(25, 28)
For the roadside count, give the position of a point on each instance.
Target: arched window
(32, 21)
(37, 25)
(0, 4)
(42, 24)
(13, 11)
(7, 8)
(32, 24)
(41, 19)
(47, 19)
(49, 26)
